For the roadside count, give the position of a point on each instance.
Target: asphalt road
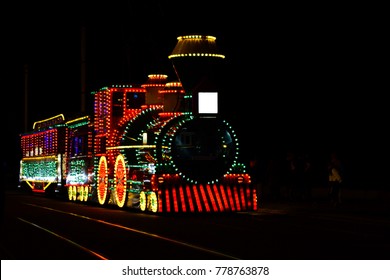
(35, 227)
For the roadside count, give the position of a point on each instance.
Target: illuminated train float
(157, 147)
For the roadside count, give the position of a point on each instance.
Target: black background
(306, 77)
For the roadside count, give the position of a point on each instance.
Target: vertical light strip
(175, 205)
(248, 197)
(255, 205)
(210, 192)
(190, 202)
(230, 195)
(242, 194)
(218, 198)
(168, 202)
(236, 198)
(160, 204)
(182, 199)
(197, 199)
(224, 198)
(206, 203)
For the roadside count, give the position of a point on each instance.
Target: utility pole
(83, 68)
(25, 97)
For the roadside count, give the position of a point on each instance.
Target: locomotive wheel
(120, 181)
(70, 193)
(142, 201)
(102, 187)
(85, 193)
(74, 193)
(80, 192)
(153, 202)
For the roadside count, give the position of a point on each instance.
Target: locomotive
(158, 147)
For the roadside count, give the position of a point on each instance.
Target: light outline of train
(134, 153)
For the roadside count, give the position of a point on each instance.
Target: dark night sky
(297, 76)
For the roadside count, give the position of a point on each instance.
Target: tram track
(112, 225)
(37, 228)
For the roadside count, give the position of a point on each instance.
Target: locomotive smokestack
(197, 62)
